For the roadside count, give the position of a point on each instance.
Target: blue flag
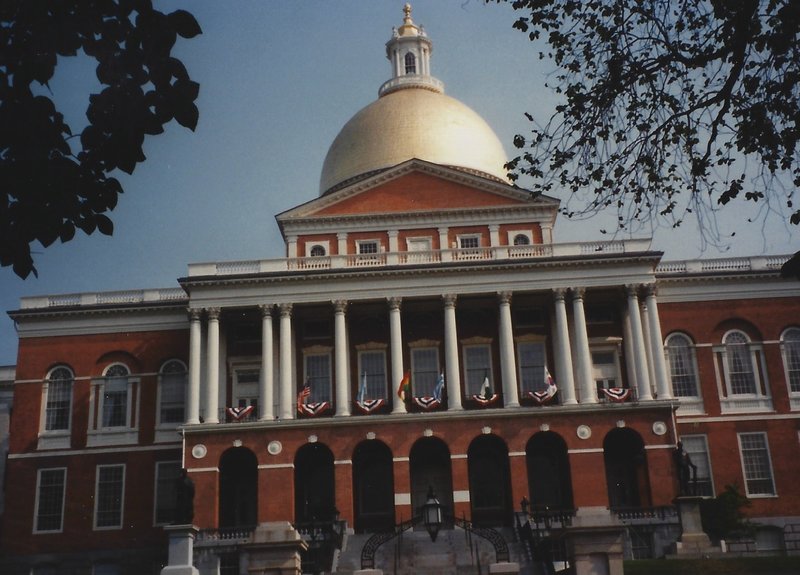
(437, 391)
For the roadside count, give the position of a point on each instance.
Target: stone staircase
(413, 553)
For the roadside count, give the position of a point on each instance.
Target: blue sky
(278, 79)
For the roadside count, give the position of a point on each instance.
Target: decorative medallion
(584, 431)
(313, 438)
(486, 430)
(659, 428)
(274, 447)
(237, 442)
(544, 427)
(199, 451)
(370, 435)
(620, 423)
(428, 433)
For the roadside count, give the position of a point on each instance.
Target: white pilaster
(212, 379)
(656, 341)
(565, 379)
(639, 350)
(266, 411)
(291, 246)
(494, 235)
(193, 394)
(452, 371)
(584, 356)
(508, 365)
(444, 245)
(341, 247)
(396, 345)
(287, 391)
(340, 358)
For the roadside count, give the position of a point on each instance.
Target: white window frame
(614, 350)
(114, 435)
(473, 385)
(159, 402)
(37, 503)
(158, 467)
(689, 404)
(695, 453)
(409, 63)
(362, 245)
(540, 342)
(246, 393)
(416, 349)
(372, 386)
(790, 352)
(512, 236)
(419, 249)
(731, 402)
(95, 525)
(318, 351)
(55, 438)
(324, 244)
(468, 238)
(747, 479)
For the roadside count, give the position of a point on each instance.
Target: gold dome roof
(412, 123)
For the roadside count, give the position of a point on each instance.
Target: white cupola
(409, 51)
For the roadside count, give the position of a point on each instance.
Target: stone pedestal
(181, 549)
(693, 541)
(274, 549)
(596, 550)
(512, 568)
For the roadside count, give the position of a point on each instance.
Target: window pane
(373, 364)
(110, 480)
(59, 399)
(51, 499)
(740, 364)
(755, 460)
(167, 474)
(681, 366)
(477, 367)
(318, 377)
(791, 350)
(425, 371)
(368, 247)
(696, 447)
(469, 242)
(173, 392)
(531, 367)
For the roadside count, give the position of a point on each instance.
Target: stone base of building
(274, 549)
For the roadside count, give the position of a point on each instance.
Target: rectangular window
(469, 242)
(167, 474)
(696, 446)
(791, 357)
(50, 487)
(108, 499)
(115, 402)
(531, 360)
(605, 370)
(59, 400)
(372, 365)
(368, 247)
(246, 388)
(318, 376)
(756, 464)
(173, 392)
(424, 371)
(477, 368)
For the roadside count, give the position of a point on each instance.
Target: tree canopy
(52, 181)
(669, 107)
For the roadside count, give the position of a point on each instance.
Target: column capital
(392, 233)
(494, 227)
(559, 294)
(212, 312)
(632, 290)
(285, 309)
(650, 290)
(341, 236)
(194, 314)
(265, 309)
(394, 302)
(449, 299)
(504, 297)
(339, 305)
(577, 292)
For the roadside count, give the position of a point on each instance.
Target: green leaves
(46, 192)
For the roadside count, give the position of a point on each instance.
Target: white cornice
(55, 323)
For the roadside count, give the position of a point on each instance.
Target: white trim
(769, 463)
(96, 527)
(36, 502)
(324, 244)
(461, 496)
(276, 466)
(203, 470)
(458, 456)
(400, 459)
(586, 450)
(402, 499)
(74, 452)
(659, 447)
(161, 425)
(721, 418)
(343, 462)
(517, 454)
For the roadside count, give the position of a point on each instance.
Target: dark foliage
(723, 516)
(670, 107)
(47, 190)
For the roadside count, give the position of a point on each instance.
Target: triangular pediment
(418, 187)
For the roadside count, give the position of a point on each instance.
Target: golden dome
(413, 123)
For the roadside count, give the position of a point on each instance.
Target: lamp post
(432, 514)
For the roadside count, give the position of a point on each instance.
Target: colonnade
(573, 360)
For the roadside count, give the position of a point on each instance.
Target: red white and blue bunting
(313, 409)
(370, 405)
(485, 401)
(239, 413)
(617, 394)
(427, 403)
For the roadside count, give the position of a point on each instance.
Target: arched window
(411, 63)
(790, 346)
(58, 402)
(682, 365)
(172, 392)
(521, 240)
(317, 251)
(739, 369)
(115, 396)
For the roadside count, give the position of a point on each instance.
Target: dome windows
(410, 63)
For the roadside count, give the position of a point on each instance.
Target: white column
(494, 235)
(287, 392)
(656, 341)
(547, 233)
(291, 246)
(193, 394)
(584, 356)
(639, 350)
(266, 411)
(651, 375)
(444, 245)
(508, 365)
(627, 341)
(340, 358)
(564, 377)
(396, 346)
(341, 247)
(394, 247)
(452, 369)
(212, 369)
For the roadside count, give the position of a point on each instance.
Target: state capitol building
(423, 334)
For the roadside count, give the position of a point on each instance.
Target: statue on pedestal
(184, 499)
(687, 471)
